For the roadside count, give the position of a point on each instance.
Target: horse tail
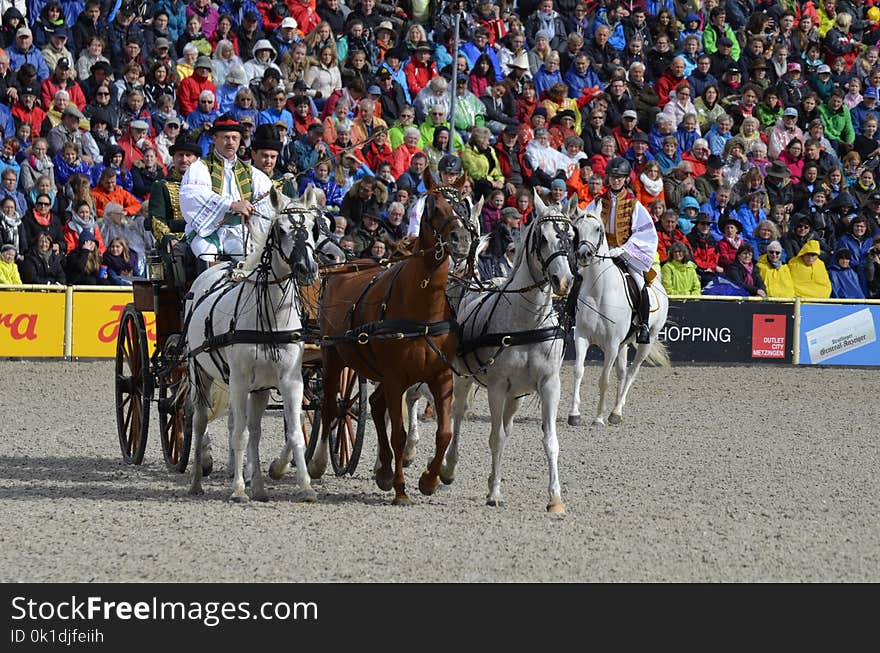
(658, 355)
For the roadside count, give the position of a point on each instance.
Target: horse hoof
(447, 479)
(495, 503)
(574, 420)
(196, 491)
(207, 467)
(428, 484)
(277, 470)
(401, 500)
(385, 483)
(556, 508)
(262, 497)
(315, 472)
(613, 418)
(307, 496)
(239, 498)
(598, 422)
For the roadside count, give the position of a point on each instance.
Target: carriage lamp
(155, 268)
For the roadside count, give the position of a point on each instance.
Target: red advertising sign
(768, 336)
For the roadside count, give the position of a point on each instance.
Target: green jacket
(711, 36)
(680, 278)
(469, 111)
(426, 129)
(838, 124)
(477, 165)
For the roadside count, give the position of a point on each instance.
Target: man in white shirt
(217, 197)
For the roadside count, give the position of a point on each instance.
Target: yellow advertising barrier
(32, 323)
(95, 323)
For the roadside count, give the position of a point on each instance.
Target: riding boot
(643, 336)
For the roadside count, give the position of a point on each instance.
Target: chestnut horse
(394, 325)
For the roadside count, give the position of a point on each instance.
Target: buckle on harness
(363, 338)
(505, 341)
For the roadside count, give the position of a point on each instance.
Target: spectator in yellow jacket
(776, 274)
(481, 163)
(808, 273)
(8, 269)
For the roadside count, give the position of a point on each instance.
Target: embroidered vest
(242, 173)
(626, 202)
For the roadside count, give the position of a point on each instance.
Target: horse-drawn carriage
(144, 379)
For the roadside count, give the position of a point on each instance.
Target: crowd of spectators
(751, 125)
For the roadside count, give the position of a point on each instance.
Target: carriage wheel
(134, 386)
(175, 413)
(347, 432)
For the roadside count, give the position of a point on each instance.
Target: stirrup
(643, 335)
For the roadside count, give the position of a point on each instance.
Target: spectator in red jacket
(420, 69)
(62, 80)
(27, 111)
(136, 140)
(192, 86)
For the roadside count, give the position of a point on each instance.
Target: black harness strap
(515, 339)
(250, 337)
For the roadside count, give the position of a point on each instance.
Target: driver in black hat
(218, 196)
(266, 147)
(164, 204)
(449, 169)
(631, 235)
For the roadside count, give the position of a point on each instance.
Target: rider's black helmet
(618, 166)
(449, 163)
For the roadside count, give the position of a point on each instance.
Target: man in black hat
(266, 147)
(508, 151)
(218, 196)
(164, 204)
(100, 76)
(777, 185)
(723, 59)
(710, 181)
(392, 97)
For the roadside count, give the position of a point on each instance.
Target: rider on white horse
(217, 193)
(631, 234)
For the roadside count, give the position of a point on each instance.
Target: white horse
(243, 331)
(604, 317)
(512, 343)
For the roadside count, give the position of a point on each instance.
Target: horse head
(591, 237)
(550, 240)
(452, 217)
(291, 240)
(328, 250)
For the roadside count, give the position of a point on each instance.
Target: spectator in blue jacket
(844, 279)
(480, 45)
(580, 76)
(24, 51)
(548, 74)
(176, 10)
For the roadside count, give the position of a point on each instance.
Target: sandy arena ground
(730, 474)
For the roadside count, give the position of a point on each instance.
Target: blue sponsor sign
(840, 334)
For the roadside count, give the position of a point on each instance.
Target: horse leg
(626, 382)
(441, 388)
(256, 406)
(382, 471)
(460, 396)
(230, 461)
(581, 345)
(199, 426)
(497, 404)
(238, 397)
(291, 387)
(412, 397)
(550, 391)
(394, 404)
(604, 380)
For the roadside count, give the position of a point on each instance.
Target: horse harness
(568, 245)
(214, 343)
(399, 329)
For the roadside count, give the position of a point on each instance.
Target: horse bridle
(568, 244)
(300, 237)
(460, 212)
(593, 248)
